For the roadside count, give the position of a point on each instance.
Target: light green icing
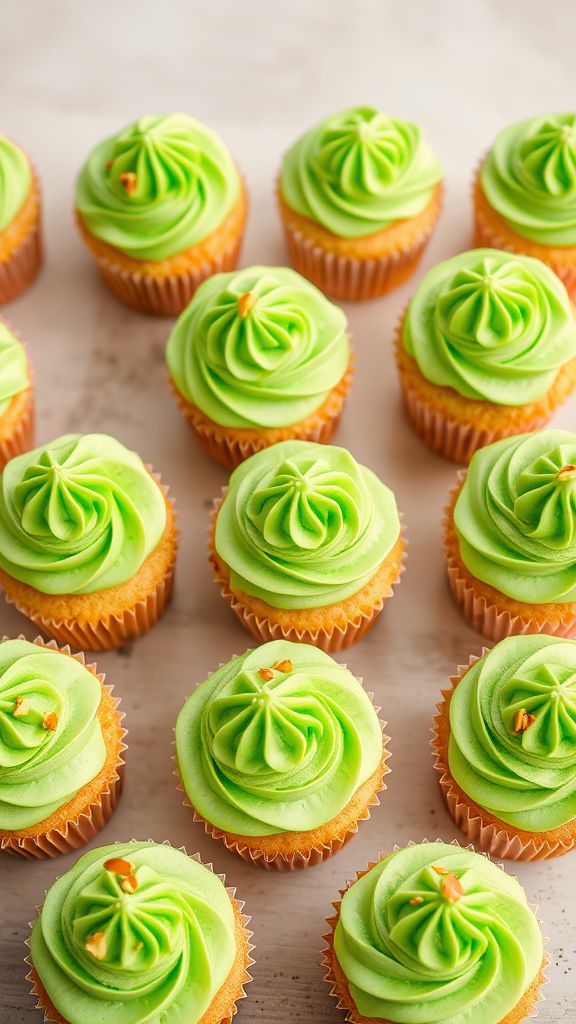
(359, 171)
(259, 347)
(168, 947)
(41, 769)
(304, 525)
(529, 178)
(493, 327)
(516, 516)
(14, 376)
(258, 756)
(78, 515)
(526, 778)
(185, 185)
(15, 180)
(434, 961)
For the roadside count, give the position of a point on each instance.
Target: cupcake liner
(82, 829)
(487, 833)
(19, 270)
(215, 1013)
(21, 437)
(330, 641)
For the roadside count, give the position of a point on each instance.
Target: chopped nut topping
(440, 870)
(567, 471)
(96, 945)
(119, 866)
(245, 303)
(129, 182)
(138, 946)
(284, 666)
(108, 165)
(50, 721)
(129, 883)
(416, 901)
(451, 888)
(266, 674)
(523, 720)
(21, 707)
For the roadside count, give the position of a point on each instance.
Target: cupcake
(486, 349)
(87, 541)
(505, 745)
(306, 545)
(61, 746)
(435, 932)
(161, 206)
(141, 932)
(510, 536)
(281, 753)
(359, 195)
(16, 397)
(525, 193)
(20, 229)
(259, 356)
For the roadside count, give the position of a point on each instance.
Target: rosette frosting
(277, 740)
(159, 187)
(359, 171)
(51, 743)
(14, 376)
(304, 525)
(259, 347)
(491, 326)
(516, 516)
(138, 931)
(15, 180)
(513, 732)
(78, 515)
(437, 934)
(529, 178)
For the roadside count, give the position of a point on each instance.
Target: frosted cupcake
(16, 397)
(505, 743)
(510, 536)
(359, 195)
(487, 348)
(87, 541)
(306, 545)
(434, 932)
(280, 754)
(61, 746)
(161, 206)
(139, 931)
(525, 193)
(20, 228)
(259, 356)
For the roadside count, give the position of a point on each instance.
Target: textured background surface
(259, 73)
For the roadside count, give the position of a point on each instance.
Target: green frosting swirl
(156, 953)
(359, 171)
(14, 376)
(78, 515)
(435, 934)
(51, 744)
(516, 516)
(159, 187)
(259, 756)
(524, 774)
(303, 525)
(491, 326)
(259, 347)
(529, 178)
(15, 180)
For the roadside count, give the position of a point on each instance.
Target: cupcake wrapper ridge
(22, 437)
(19, 270)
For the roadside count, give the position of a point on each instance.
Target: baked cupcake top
(513, 732)
(516, 516)
(259, 347)
(303, 525)
(277, 740)
(78, 515)
(492, 326)
(437, 933)
(134, 930)
(14, 376)
(15, 180)
(529, 178)
(51, 743)
(358, 171)
(159, 187)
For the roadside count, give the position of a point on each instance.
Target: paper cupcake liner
(19, 270)
(488, 834)
(339, 987)
(21, 437)
(78, 831)
(223, 1007)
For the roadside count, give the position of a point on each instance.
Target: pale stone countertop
(259, 73)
